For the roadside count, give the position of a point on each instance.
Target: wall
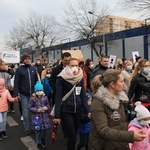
(134, 44)
(121, 44)
(115, 48)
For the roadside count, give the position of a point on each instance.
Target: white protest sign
(135, 55)
(11, 56)
(112, 60)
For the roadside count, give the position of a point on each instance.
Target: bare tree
(42, 30)
(16, 40)
(140, 6)
(82, 19)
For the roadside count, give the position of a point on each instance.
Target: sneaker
(27, 131)
(40, 147)
(21, 118)
(12, 111)
(9, 111)
(43, 142)
(1, 137)
(4, 134)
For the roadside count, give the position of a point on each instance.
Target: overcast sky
(12, 10)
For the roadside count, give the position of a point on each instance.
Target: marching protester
(55, 72)
(126, 72)
(4, 97)
(39, 107)
(70, 89)
(89, 72)
(108, 125)
(84, 127)
(25, 79)
(140, 84)
(11, 89)
(81, 65)
(141, 121)
(39, 67)
(45, 79)
(102, 66)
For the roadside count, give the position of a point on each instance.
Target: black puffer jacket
(89, 73)
(54, 74)
(74, 103)
(140, 87)
(25, 79)
(39, 68)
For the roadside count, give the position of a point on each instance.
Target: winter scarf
(67, 75)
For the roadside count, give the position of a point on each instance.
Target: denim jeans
(41, 134)
(24, 104)
(71, 123)
(3, 123)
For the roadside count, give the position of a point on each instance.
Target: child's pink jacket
(4, 97)
(143, 145)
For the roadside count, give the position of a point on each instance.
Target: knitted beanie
(24, 56)
(38, 86)
(141, 111)
(2, 81)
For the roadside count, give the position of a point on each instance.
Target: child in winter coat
(46, 85)
(4, 97)
(141, 121)
(84, 127)
(39, 107)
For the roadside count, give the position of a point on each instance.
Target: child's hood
(135, 123)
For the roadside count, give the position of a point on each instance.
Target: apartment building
(113, 24)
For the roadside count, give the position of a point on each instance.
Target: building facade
(113, 24)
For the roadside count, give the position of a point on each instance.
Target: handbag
(1, 119)
(63, 99)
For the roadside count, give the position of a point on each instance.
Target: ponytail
(96, 83)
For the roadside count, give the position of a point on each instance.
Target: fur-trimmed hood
(109, 99)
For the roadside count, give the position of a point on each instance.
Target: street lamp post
(146, 21)
(104, 46)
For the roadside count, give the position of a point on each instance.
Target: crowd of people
(94, 101)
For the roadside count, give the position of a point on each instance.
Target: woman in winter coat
(126, 72)
(69, 111)
(39, 107)
(108, 126)
(140, 84)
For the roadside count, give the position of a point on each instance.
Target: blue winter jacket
(47, 88)
(25, 79)
(74, 103)
(84, 127)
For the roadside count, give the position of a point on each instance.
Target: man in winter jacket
(25, 79)
(103, 66)
(55, 72)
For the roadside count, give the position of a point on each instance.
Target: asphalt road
(17, 140)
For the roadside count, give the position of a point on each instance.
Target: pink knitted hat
(2, 81)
